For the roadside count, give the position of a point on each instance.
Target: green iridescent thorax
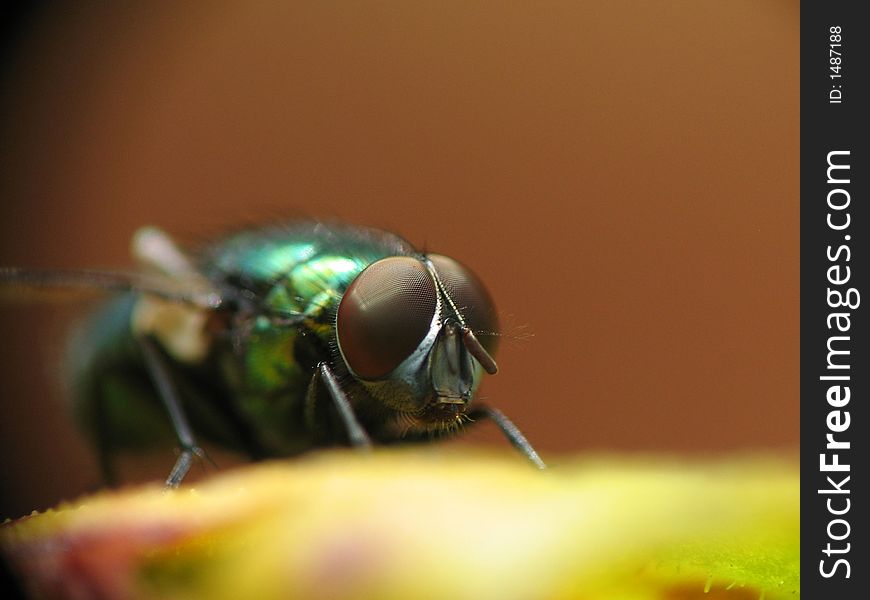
(300, 270)
(310, 291)
(296, 277)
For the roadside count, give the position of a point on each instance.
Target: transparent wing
(26, 283)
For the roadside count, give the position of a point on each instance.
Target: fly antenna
(476, 349)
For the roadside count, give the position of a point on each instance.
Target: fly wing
(27, 284)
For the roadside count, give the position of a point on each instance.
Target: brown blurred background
(623, 175)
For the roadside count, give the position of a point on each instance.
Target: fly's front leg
(510, 431)
(162, 378)
(355, 432)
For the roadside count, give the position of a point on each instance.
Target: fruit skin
(424, 523)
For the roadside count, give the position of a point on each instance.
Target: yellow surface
(430, 524)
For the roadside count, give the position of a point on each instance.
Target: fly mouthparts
(451, 400)
(474, 347)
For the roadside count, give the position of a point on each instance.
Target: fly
(278, 340)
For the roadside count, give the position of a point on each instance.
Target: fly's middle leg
(168, 392)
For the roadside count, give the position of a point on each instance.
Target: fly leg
(104, 451)
(355, 432)
(510, 431)
(162, 378)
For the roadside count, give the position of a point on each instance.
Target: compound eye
(384, 315)
(471, 298)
